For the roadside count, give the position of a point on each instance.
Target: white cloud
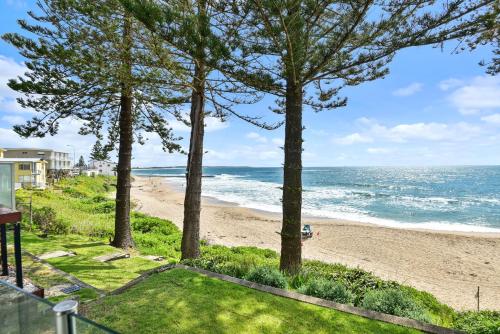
(13, 119)
(257, 137)
(278, 141)
(450, 83)
(355, 138)
(408, 90)
(378, 150)
(481, 93)
(492, 119)
(215, 124)
(10, 69)
(429, 131)
(403, 133)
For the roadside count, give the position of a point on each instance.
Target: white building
(58, 163)
(107, 168)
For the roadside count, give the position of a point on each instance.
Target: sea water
(463, 198)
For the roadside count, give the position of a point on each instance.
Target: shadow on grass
(87, 245)
(180, 301)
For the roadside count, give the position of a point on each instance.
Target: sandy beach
(451, 265)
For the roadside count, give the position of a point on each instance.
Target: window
(25, 152)
(24, 167)
(24, 178)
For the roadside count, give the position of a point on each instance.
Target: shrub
(158, 244)
(358, 281)
(301, 278)
(441, 314)
(396, 302)
(234, 261)
(104, 207)
(482, 322)
(327, 289)
(45, 219)
(147, 224)
(267, 276)
(73, 192)
(99, 199)
(235, 269)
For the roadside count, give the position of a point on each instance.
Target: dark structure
(8, 216)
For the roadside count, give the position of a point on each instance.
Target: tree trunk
(123, 234)
(291, 243)
(190, 245)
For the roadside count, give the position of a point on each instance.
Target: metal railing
(22, 312)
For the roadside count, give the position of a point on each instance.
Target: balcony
(21, 312)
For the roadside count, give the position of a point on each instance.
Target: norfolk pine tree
(81, 162)
(307, 51)
(192, 28)
(93, 62)
(99, 152)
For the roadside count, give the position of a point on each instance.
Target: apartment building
(58, 163)
(107, 168)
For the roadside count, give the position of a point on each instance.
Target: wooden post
(31, 212)
(477, 296)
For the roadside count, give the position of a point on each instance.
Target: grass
(75, 202)
(102, 275)
(40, 274)
(180, 301)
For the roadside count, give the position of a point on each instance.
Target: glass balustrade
(22, 313)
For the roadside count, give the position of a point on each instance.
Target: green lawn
(105, 276)
(180, 301)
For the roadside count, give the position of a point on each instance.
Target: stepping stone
(112, 257)
(71, 289)
(52, 255)
(56, 290)
(153, 257)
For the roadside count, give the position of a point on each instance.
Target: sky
(434, 108)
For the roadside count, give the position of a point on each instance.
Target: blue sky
(434, 108)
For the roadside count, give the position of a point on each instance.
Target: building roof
(22, 160)
(32, 149)
(106, 161)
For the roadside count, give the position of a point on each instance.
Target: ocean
(462, 198)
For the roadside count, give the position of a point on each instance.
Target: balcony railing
(21, 312)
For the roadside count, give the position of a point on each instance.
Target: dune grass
(180, 301)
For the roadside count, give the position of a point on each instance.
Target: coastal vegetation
(127, 66)
(123, 69)
(83, 206)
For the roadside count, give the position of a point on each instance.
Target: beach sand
(450, 265)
